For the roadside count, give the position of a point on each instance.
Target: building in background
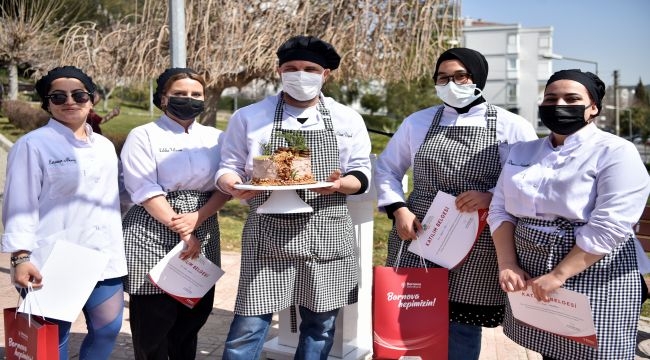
(518, 70)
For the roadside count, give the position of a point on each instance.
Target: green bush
(136, 96)
(227, 103)
(372, 102)
(24, 115)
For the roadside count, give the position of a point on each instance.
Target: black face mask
(184, 108)
(563, 119)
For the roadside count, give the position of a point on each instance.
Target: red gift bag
(410, 313)
(36, 339)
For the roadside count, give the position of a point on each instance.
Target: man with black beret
(302, 259)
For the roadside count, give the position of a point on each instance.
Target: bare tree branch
(233, 42)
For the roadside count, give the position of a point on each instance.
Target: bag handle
(399, 257)
(28, 304)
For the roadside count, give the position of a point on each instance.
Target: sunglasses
(80, 97)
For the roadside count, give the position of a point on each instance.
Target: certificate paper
(568, 314)
(70, 273)
(184, 280)
(448, 234)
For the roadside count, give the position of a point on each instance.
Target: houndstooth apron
(305, 259)
(611, 284)
(147, 240)
(455, 159)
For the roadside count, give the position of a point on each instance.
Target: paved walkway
(495, 346)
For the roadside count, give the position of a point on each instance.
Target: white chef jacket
(251, 126)
(62, 188)
(595, 177)
(399, 154)
(159, 157)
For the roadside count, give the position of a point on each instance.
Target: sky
(613, 33)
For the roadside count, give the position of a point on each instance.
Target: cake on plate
(290, 165)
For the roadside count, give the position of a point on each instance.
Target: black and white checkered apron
(612, 285)
(305, 259)
(147, 241)
(455, 159)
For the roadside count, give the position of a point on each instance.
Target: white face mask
(458, 96)
(302, 85)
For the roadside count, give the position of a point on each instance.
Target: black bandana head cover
(309, 48)
(44, 84)
(163, 79)
(474, 62)
(595, 87)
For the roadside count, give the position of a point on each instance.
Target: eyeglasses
(459, 78)
(80, 97)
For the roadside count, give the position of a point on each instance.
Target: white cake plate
(283, 199)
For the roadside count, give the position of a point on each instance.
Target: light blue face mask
(458, 96)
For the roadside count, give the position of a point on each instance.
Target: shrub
(372, 102)
(136, 96)
(24, 115)
(227, 103)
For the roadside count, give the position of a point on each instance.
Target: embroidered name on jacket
(62, 161)
(169, 149)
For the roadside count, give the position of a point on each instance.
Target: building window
(511, 93)
(513, 43)
(512, 64)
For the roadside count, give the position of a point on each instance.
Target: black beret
(44, 84)
(309, 48)
(162, 81)
(595, 87)
(474, 62)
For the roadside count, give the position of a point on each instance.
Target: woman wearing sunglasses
(62, 180)
(169, 168)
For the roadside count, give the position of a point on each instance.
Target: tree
(233, 42)
(372, 102)
(640, 95)
(27, 35)
(406, 97)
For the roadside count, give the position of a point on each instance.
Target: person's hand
(227, 184)
(184, 224)
(192, 248)
(335, 179)
(512, 278)
(544, 285)
(473, 200)
(25, 274)
(407, 224)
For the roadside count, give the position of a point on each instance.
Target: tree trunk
(212, 96)
(13, 80)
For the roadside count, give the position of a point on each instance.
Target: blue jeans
(464, 341)
(247, 335)
(103, 312)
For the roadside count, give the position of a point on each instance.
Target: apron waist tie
(293, 319)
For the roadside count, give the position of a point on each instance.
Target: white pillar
(353, 336)
(177, 33)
